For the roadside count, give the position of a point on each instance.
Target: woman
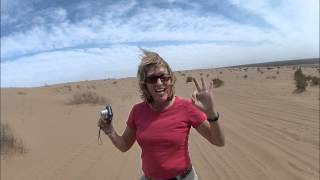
(162, 122)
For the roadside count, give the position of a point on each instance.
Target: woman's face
(158, 83)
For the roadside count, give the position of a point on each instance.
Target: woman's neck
(161, 106)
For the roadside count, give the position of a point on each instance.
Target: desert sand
(271, 133)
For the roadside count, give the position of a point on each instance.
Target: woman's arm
(202, 98)
(124, 142)
(212, 132)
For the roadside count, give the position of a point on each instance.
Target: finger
(100, 124)
(196, 83)
(193, 98)
(211, 85)
(102, 120)
(204, 87)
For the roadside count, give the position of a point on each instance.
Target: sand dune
(270, 132)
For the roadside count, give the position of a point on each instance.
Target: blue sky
(49, 42)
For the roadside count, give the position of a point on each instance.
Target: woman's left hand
(202, 98)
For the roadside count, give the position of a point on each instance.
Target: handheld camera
(107, 114)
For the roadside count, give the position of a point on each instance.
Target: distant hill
(301, 62)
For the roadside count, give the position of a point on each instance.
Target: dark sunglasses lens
(165, 78)
(154, 79)
(151, 79)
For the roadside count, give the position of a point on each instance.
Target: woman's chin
(161, 98)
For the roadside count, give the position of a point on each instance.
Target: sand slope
(270, 132)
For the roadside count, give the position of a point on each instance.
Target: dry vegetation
(88, 98)
(188, 79)
(301, 81)
(9, 143)
(217, 82)
(21, 93)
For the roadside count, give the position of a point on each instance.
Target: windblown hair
(149, 60)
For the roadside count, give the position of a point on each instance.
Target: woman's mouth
(160, 91)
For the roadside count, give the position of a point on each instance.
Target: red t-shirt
(163, 136)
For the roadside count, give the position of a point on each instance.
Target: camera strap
(99, 137)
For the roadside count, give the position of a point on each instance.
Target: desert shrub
(269, 68)
(10, 144)
(68, 87)
(217, 82)
(201, 74)
(271, 77)
(114, 82)
(315, 81)
(207, 75)
(278, 72)
(220, 72)
(300, 80)
(21, 93)
(183, 74)
(189, 79)
(88, 98)
(245, 76)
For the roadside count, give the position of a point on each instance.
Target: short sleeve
(196, 117)
(131, 119)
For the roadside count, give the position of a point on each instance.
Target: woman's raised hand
(202, 97)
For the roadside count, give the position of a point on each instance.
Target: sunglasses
(154, 78)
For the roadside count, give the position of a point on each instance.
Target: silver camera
(107, 114)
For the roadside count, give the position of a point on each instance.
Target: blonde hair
(151, 59)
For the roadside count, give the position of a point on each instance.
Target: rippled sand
(271, 133)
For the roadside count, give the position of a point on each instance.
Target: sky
(46, 42)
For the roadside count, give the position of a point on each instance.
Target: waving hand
(202, 97)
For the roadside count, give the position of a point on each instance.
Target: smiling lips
(160, 91)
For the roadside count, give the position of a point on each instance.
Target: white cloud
(144, 26)
(66, 66)
(54, 43)
(122, 61)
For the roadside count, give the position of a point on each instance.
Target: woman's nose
(159, 81)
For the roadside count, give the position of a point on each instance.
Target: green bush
(217, 82)
(300, 80)
(308, 78)
(315, 81)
